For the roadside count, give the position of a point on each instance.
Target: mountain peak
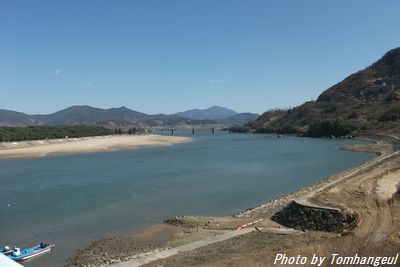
(78, 107)
(392, 60)
(395, 52)
(212, 113)
(215, 106)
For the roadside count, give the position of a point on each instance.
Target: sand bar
(85, 145)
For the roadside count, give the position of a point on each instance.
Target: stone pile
(304, 218)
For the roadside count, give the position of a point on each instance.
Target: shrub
(353, 115)
(391, 115)
(336, 128)
(239, 129)
(287, 130)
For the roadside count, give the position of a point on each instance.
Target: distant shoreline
(42, 148)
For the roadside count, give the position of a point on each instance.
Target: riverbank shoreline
(42, 148)
(194, 228)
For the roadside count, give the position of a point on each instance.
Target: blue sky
(169, 56)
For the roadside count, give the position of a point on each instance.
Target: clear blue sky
(169, 56)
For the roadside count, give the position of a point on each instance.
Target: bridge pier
(172, 131)
(213, 130)
(192, 130)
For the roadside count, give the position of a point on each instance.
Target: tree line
(132, 131)
(325, 128)
(8, 134)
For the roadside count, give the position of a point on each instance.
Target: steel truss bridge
(191, 127)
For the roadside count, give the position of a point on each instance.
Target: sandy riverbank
(43, 148)
(270, 236)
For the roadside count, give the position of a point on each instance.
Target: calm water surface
(74, 199)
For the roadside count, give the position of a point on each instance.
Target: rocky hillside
(366, 100)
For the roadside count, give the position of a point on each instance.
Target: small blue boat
(6, 250)
(29, 253)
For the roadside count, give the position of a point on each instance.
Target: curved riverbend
(75, 199)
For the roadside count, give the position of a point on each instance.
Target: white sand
(86, 145)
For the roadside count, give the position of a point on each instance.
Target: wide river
(74, 199)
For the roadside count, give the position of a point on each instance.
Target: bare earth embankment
(84, 145)
(369, 190)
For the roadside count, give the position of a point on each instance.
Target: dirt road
(157, 255)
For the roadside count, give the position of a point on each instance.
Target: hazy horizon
(166, 57)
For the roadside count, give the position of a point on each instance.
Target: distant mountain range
(121, 117)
